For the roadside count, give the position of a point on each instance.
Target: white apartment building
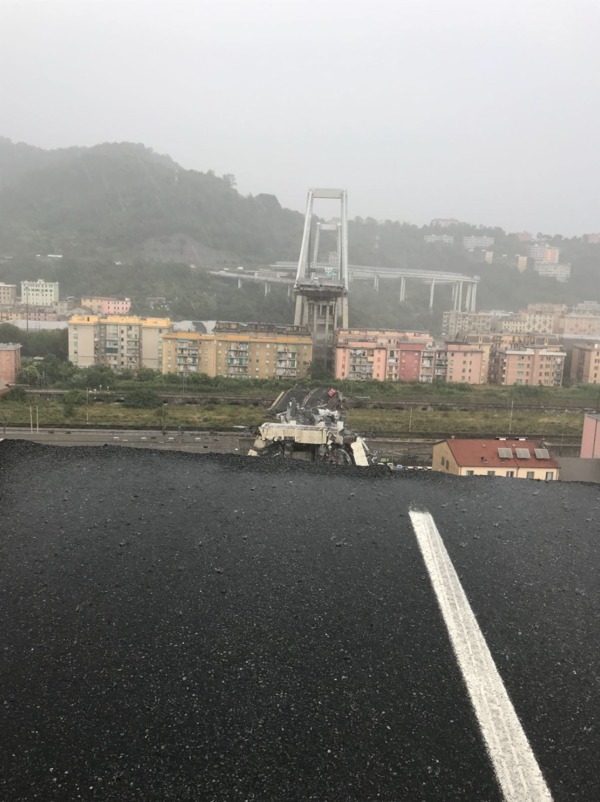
(39, 293)
(470, 243)
(542, 252)
(559, 272)
(445, 239)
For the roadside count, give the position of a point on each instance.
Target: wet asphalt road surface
(207, 627)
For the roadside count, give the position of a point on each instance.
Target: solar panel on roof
(542, 453)
(523, 453)
(505, 453)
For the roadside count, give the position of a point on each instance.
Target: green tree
(28, 375)
(148, 375)
(15, 394)
(142, 398)
(95, 376)
(74, 398)
(10, 333)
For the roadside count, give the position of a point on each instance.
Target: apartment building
(362, 355)
(587, 325)
(240, 350)
(8, 294)
(560, 272)
(509, 458)
(444, 239)
(361, 360)
(456, 323)
(522, 263)
(535, 366)
(590, 439)
(381, 355)
(583, 320)
(121, 342)
(102, 305)
(543, 253)
(586, 308)
(39, 293)
(585, 363)
(524, 340)
(473, 242)
(10, 362)
(547, 308)
(529, 322)
(467, 362)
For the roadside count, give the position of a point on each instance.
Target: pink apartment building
(101, 305)
(406, 356)
(467, 362)
(10, 362)
(585, 363)
(405, 361)
(361, 360)
(529, 366)
(380, 355)
(590, 440)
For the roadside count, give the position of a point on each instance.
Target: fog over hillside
(123, 203)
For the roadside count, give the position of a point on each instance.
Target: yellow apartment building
(240, 350)
(8, 294)
(118, 341)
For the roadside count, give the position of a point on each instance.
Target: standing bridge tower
(321, 285)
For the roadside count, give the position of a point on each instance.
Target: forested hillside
(131, 222)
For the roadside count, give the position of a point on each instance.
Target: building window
(491, 473)
(549, 475)
(510, 474)
(530, 475)
(470, 473)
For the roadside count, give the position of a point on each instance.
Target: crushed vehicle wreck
(310, 425)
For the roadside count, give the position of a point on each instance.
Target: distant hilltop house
(511, 458)
(444, 222)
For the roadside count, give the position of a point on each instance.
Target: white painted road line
(515, 765)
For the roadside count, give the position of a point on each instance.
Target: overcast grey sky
(485, 111)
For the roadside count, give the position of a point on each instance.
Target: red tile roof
(470, 453)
